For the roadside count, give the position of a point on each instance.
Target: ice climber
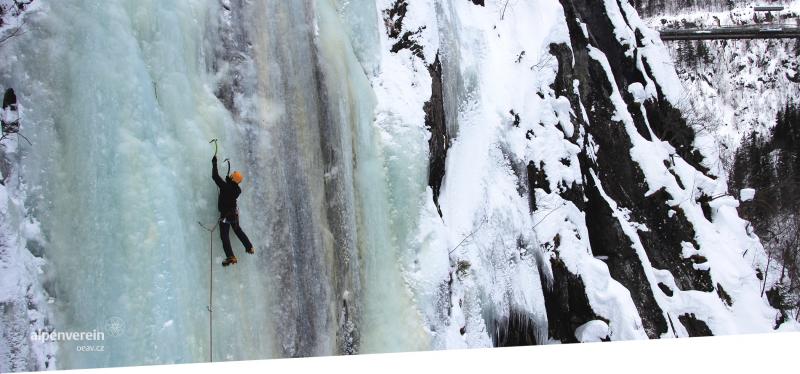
(229, 214)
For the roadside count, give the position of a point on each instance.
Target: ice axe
(216, 149)
(216, 146)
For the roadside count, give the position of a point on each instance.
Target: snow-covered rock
(592, 331)
(747, 194)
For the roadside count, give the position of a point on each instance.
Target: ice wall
(121, 116)
(127, 96)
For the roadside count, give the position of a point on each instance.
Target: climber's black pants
(224, 230)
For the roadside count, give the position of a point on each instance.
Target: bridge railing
(782, 26)
(762, 31)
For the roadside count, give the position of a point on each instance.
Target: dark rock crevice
(537, 178)
(694, 327)
(608, 239)
(724, 295)
(601, 35)
(563, 85)
(621, 178)
(663, 242)
(669, 124)
(517, 329)
(439, 141)
(393, 20)
(407, 41)
(665, 289)
(435, 121)
(566, 303)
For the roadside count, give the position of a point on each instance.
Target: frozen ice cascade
(419, 175)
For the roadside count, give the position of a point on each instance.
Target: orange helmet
(237, 177)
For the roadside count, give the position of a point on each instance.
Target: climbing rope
(210, 287)
(211, 274)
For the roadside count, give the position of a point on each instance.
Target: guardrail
(765, 31)
(768, 8)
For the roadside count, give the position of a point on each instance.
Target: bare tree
(503, 11)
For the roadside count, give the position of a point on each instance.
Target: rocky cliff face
(634, 224)
(667, 257)
(737, 93)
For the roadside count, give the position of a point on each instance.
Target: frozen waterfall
(125, 105)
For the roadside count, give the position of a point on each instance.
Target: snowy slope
(419, 175)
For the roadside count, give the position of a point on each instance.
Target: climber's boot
(229, 261)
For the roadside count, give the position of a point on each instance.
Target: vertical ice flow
(126, 95)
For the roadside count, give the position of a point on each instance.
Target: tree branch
(14, 33)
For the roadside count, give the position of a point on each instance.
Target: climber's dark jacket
(228, 193)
